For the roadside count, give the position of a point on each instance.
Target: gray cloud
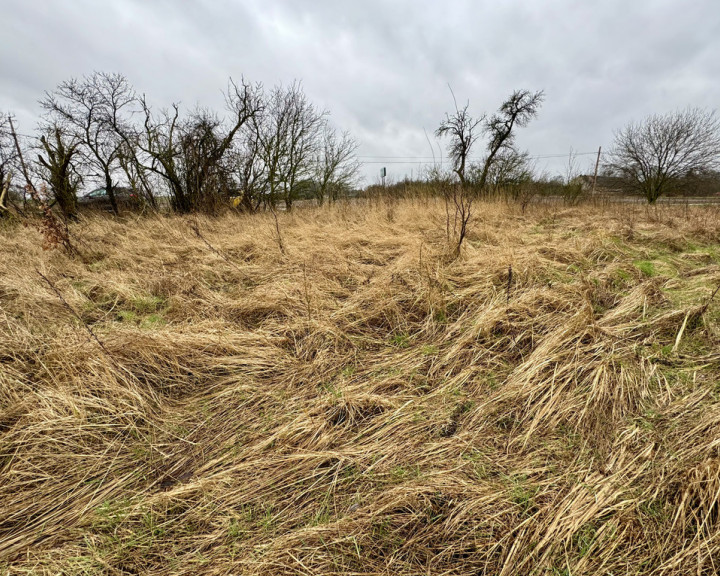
(383, 68)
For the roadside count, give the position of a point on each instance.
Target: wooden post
(597, 164)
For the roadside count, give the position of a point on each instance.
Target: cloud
(383, 69)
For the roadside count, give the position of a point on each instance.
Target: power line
(402, 161)
(399, 157)
(430, 159)
(558, 155)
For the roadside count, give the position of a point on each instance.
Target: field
(345, 399)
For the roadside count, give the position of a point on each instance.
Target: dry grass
(361, 404)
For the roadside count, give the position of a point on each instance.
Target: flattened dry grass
(361, 404)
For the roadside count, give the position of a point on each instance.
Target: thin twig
(277, 229)
(707, 304)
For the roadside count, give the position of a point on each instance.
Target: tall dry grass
(183, 403)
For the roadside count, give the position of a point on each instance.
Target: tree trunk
(109, 188)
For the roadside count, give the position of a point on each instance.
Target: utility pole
(597, 164)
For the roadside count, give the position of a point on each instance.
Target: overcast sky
(383, 68)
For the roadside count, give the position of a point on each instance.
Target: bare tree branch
(656, 155)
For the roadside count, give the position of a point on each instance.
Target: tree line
(275, 146)
(659, 155)
(662, 154)
(269, 146)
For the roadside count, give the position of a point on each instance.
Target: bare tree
(159, 143)
(193, 155)
(303, 142)
(268, 148)
(89, 110)
(288, 140)
(269, 145)
(462, 129)
(336, 167)
(204, 161)
(58, 170)
(136, 172)
(131, 158)
(516, 112)
(658, 154)
(250, 171)
(506, 173)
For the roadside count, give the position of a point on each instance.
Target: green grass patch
(401, 340)
(646, 267)
(147, 304)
